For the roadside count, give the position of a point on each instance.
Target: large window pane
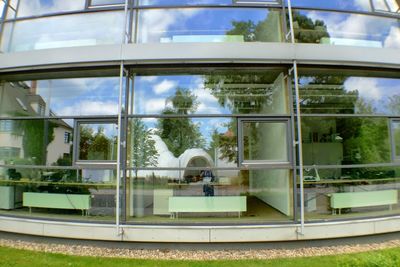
(355, 5)
(63, 194)
(265, 141)
(349, 92)
(343, 141)
(35, 142)
(63, 31)
(97, 141)
(28, 8)
(349, 193)
(209, 25)
(217, 196)
(181, 143)
(60, 97)
(224, 92)
(346, 29)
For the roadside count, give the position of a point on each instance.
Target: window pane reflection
(209, 25)
(354, 5)
(348, 140)
(218, 196)
(347, 193)
(182, 142)
(97, 141)
(183, 2)
(63, 31)
(226, 92)
(35, 142)
(60, 97)
(69, 194)
(346, 29)
(28, 8)
(349, 92)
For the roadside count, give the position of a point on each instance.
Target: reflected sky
(164, 25)
(152, 92)
(81, 96)
(183, 2)
(40, 7)
(356, 5)
(63, 31)
(368, 95)
(359, 30)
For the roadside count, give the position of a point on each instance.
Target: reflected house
(22, 99)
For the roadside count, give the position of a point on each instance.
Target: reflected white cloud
(64, 31)
(164, 87)
(38, 7)
(156, 22)
(90, 108)
(359, 27)
(149, 79)
(393, 39)
(367, 88)
(155, 105)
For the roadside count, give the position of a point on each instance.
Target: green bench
(207, 204)
(340, 201)
(56, 201)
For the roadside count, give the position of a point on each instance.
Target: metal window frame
(263, 163)
(76, 148)
(392, 138)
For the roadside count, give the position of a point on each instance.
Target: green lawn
(15, 257)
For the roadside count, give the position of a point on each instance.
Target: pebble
(170, 254)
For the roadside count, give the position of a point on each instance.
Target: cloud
(156, 23)
(164, 86)
(393, 38)
(37, 7)
(149, 79)
(368, 88)
(154, 106)
(90, 108)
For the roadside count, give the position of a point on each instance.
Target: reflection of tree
(180, 134)
(37, 135)
(267, 30)
(143, 152)
(225, 144)
(308, 31)
(95, 145)
(326, 94)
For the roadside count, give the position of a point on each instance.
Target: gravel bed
(165, 254)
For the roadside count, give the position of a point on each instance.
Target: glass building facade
(200, 141)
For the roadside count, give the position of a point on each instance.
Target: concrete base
(199, 234)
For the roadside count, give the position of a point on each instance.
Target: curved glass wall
(349, 143)
(32, 25)
(202, 145)
(185, 134)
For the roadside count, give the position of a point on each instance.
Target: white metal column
(298, 121)
(125, 37)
